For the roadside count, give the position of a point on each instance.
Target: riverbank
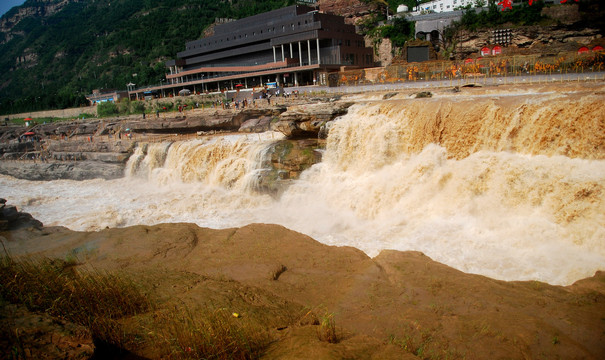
(397, 305)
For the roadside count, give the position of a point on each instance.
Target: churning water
(512, 188)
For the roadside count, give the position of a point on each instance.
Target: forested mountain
(53, 52)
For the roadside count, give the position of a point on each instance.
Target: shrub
(107, 109)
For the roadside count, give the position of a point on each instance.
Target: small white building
(439, 6)
(402, 8)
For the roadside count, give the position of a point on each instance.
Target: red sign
(485, 51)
(597, 48)
(497, 50)
(508, 4)
(583, 50)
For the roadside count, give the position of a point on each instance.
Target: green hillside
(51, 60)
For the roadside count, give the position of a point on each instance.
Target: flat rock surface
(397, 305)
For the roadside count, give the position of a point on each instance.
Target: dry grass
(103, 302)
(209, 334)
(90, 298)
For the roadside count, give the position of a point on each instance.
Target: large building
(295, 45)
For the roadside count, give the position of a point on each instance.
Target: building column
(274, 56)
(291, 56)
(283, 58)
(295, 79)
(318, 55)
(299, 55)
(309, 50)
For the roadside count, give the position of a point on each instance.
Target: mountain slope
(56, 51)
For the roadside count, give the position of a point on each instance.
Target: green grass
(327, 329)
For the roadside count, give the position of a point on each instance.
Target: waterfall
(231, 162)
(505, 185)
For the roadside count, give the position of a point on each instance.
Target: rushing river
(508, 188)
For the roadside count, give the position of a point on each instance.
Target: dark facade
(296, 45)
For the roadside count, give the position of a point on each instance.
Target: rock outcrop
(351, 10)
(218, 120)
(306, 121)
(288, 159)
(12, 219)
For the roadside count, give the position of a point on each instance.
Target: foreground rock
(399, 305)
(27, 335)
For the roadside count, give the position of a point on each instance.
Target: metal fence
(480, 69)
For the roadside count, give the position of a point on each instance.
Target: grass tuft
(90, 298)
(209, 334)
(327, 329)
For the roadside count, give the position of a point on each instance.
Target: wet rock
(74, 170)
(306, 121)
(422, 94)
(11, 218)
(257, 125)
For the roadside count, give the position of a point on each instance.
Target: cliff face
(42, 8)
(352, 10)
(529, 40)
